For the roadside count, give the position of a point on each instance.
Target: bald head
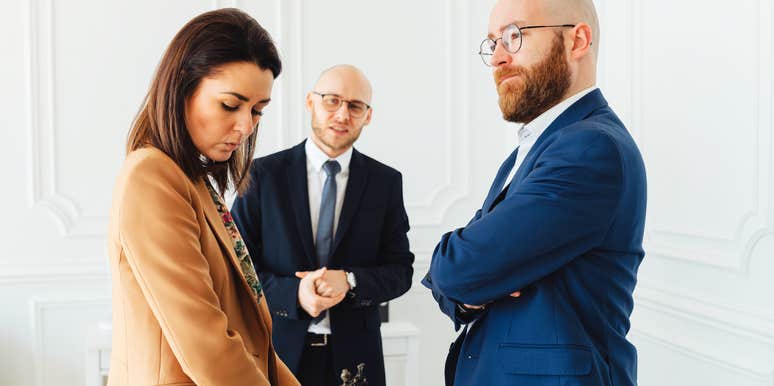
(575, 12)
(546, 12)
(346, 81)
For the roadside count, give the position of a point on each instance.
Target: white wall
(691, 79)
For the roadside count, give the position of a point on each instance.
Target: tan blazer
(182, 312)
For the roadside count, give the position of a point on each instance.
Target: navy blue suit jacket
(568, 235)
(370, 241)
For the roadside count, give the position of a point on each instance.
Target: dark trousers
(317, 363)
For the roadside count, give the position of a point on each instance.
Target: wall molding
(727, 324)
(766, 377)
(61, 270)
(754, 325)
(457, 74)
(44, 189)
(733, 252)
(38, 308)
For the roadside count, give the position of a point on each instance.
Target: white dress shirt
(530, 132)
(315, 180)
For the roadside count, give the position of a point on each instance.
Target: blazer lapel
(217, 226)
(299, 200)
(499, 181)
(356, 184)
(227, 244)
(578, 111)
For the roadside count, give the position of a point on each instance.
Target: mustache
(502, 73)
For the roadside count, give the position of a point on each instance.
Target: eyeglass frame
(323, 95)
(482, 54)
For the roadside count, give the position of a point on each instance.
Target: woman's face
(226, 107)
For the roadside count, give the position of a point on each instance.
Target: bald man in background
(542, 276)
(326, 227)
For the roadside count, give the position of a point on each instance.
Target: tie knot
(331, 167)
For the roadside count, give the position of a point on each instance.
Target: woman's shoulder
(147, 157)
(151, 164)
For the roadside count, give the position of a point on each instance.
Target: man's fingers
(329, 302)
(312, 274)
(318, 273)
(516, 294)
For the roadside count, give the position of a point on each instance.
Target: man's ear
(309, 101)
(581, 40)
(368, 116)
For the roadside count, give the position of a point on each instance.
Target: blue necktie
(324, 240)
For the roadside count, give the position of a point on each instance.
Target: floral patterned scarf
(245, 263)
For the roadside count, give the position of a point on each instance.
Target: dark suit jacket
(568, 234)
(273, 217)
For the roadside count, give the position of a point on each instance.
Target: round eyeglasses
(332, 102)
(511, 39)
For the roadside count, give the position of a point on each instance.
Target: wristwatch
(351, 280)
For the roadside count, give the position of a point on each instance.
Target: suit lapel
(356, 183)
(299, 200)
(499, 181)
(217, 226)
(578, 111)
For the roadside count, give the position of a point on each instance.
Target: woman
(187, 304)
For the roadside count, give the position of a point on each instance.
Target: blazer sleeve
(159, 234)
(393, 277)
(561, 209)
(281, 291)
(450, 307)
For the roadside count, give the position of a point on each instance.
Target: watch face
(351, 279)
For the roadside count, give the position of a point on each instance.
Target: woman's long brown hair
(209, 40)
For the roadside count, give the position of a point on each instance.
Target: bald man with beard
(542, 277)
(326, 228)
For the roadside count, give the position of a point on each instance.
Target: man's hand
(308, 298)
(333, 283)
(473, 307)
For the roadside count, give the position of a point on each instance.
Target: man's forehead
(519, 12)
(496, 30)
(343, 85)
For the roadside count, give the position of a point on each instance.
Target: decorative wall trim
(734, 252)
(53, 272)
(38, 308)
(291, 111)
(755, 325)
(431, 211)
(766, 377)
(44, 172)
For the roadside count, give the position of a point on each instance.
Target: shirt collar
(315, 158)
(530, 132)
